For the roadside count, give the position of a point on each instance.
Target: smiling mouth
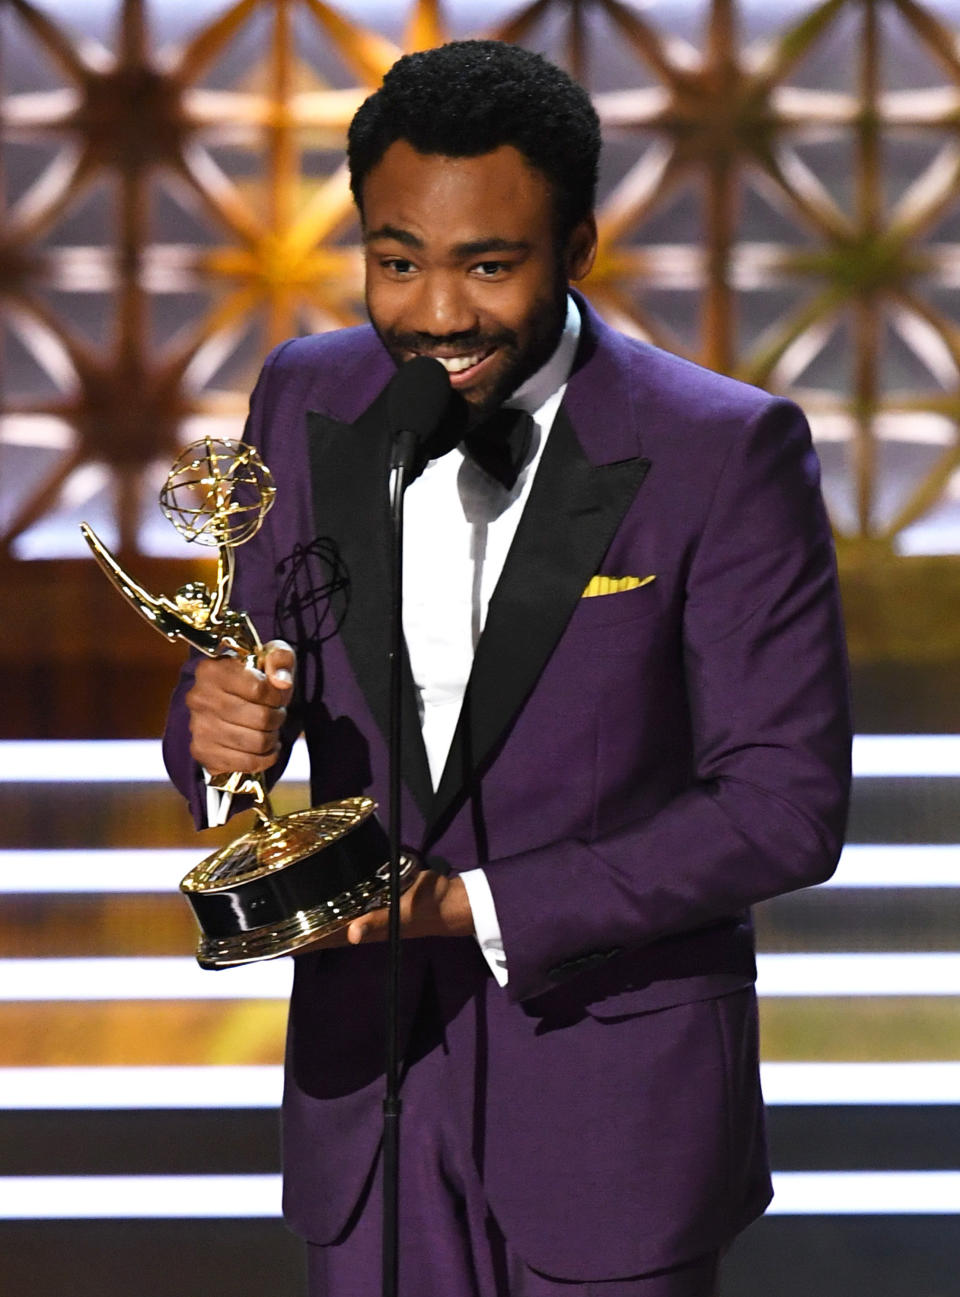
(458, 365)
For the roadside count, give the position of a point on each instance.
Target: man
(654, 734)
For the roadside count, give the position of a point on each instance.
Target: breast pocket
(614, 609)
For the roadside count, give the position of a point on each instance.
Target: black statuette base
(286, 884)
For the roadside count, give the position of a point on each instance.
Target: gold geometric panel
(779, 200)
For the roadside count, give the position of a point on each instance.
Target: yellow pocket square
(615, 584)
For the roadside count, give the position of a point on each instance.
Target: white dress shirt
(458, 527)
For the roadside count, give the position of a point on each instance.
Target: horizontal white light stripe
(906, 755)
(883, 865)
(180, 1197)
(139, 1197)
(69, 761)
(114, 761)
(913, 973)
(149, 978)
(139, 1088)
(180, 978)
(127, 870)
(200, 1088)
(139, 760)
(116, 869)
(866, 1193)
(836, 1084)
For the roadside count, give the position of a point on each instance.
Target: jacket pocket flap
(666, 994)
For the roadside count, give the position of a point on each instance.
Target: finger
(369, 927)
(228, 709)
(223, 677)
(327, 942)
(220, 751)
(278, 663)
(219, 757)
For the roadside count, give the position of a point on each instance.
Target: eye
(398, 266)
(491, 269)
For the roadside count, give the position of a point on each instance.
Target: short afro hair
(470, 97)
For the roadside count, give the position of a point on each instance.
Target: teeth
(457, 364)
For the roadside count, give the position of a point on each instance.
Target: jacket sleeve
(767, 686)
(254, 592)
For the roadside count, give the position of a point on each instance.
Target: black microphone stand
(419, 399)
(403, 451)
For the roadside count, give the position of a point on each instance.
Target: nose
(443, 306)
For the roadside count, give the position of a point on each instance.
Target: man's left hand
(432, 906)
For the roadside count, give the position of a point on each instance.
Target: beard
(519, 355)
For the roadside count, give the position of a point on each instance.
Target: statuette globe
(218, 492)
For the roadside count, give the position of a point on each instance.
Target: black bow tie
(501, 443)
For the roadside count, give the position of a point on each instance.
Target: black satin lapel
(570, 518)
(349, 467)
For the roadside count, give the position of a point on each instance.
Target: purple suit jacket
(633, 771)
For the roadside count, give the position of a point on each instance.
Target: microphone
(425, 421)
(426, 416)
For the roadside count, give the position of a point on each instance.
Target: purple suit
(632, 770)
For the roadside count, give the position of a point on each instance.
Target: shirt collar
(553, 374)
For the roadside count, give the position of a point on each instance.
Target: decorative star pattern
(841, 292)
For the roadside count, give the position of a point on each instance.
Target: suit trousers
(450, 1243)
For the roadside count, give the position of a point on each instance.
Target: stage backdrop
(779, 201)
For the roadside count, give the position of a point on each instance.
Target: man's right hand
(236, 711)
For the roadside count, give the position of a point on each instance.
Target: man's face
(462, 263)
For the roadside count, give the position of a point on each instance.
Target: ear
(581, 248)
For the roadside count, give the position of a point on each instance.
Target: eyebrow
(476, 247)
(461, 251)
(393, 232)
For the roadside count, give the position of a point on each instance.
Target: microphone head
(422, 404)
(417, 396)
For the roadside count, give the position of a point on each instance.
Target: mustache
(467, 341)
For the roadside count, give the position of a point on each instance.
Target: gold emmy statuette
(289, 880)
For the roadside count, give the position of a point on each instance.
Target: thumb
(278, 663)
